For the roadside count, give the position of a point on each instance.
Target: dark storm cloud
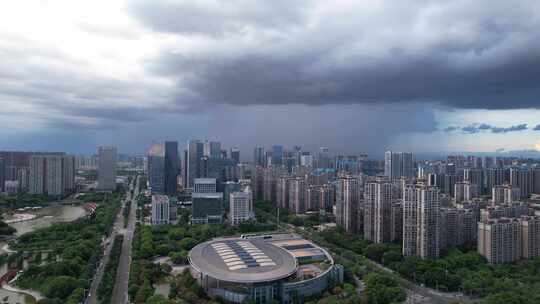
(451, 129)
(520, 127)
(477, 128)
(352, 75)
(467, 54)
(484, 127)
(471, 129)
(537, 128)
(343, 128)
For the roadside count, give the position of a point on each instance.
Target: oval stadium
(277, 268)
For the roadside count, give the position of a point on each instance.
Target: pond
(45, 217)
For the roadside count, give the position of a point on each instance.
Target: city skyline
(247, 155)
(427, 76)
(270, 152)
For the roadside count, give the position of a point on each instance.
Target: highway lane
(120, 291)
(118, 225)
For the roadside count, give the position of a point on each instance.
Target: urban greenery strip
(106, 285)
(64, 256)
(125, 213)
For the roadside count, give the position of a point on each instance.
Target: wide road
(118, 225)
(120, 291)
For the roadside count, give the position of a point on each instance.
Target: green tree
(76, 296)
(179, 258)
(144, 292)
(383, 289)
(375, 252)
(391, 257)
(158, 299)
(5, 229)
(187, 243)
(61, 287)
(162, 249)
(176, 234)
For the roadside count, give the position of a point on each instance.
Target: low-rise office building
(241, 206)
(160, 210)
(207, 208)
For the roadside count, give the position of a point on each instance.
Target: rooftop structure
(205, 185)
(263, 268)
(242, 261)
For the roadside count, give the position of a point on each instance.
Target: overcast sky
(356, 76)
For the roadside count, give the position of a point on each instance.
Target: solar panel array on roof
(241, 255)
(299, 246)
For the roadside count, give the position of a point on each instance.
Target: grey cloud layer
(288, 63)
(47, 86)
(218, 18)
(465, 54)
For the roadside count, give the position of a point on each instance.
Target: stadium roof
(242, 260)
